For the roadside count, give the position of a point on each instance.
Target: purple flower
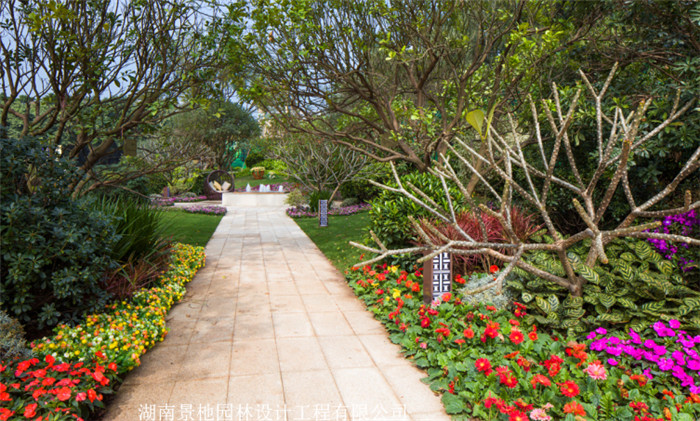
(679, 357)
(650, 344)
(612, 361)
(635, 337)
(693, 365)
(614, 350)
(598, 345)
(666, 364)
(675, 324)
(601, 330)
(660, 350)
(591, 335)
(648, 374)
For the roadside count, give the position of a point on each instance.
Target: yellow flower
(396, 293)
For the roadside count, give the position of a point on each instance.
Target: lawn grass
(241, 182)
(189, 228)
(333, 239)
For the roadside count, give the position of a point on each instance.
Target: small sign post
(437, 277)
(323, 213)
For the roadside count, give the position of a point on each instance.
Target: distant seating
(218, 182)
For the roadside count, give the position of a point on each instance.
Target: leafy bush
(350, 201)
(295, 198)
(255, 156)
(634, 290)
(389, 214)
(275, 165)
(315, 196)
(12, 342)
(523, 227)
(54, 249)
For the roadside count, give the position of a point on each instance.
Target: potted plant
(258, 172)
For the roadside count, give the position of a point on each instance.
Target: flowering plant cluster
(490, 364)
(206, 210)
(104, 346)
(668, 354)
(686, 224)
(300, 212)
(45, 389)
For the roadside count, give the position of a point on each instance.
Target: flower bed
(297, 212)
(79, 364)
(207, 210)
(687, 224)
(488, 364)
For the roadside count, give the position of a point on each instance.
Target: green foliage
(256, 155)
(350, 201)
(54, 249)
(315, 196)
(295, 198)
(275, 165)
(636, 288)
(389, 213)
(138, 226)
(12, 342)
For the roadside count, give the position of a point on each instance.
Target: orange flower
(575, 408)
(532, 335)
(468, 333)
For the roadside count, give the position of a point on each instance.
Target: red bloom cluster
(515, 412)
(520, 309)
(553, 365)
(569, 388)
(577, 350)
(48, 383)
(483, 364)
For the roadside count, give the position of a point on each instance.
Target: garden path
(269, 330)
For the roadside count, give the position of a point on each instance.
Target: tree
(87, 73)
(619, 142)
(318, 165)
(395, 80)
(224, 127)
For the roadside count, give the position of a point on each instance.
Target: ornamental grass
(77, 366)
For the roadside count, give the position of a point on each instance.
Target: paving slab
(269, 330)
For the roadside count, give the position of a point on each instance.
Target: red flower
(5, 414)
(460, 341)
(540, 379)
(63, 394)
(569, 388)
(517, 416)
(92, 395)
(483, 364)
(80, 397)
(517, 337)
(49, 359)
(532, 335)
(30, 410)
(493, 269)
(446, 297)
(509, 380)
(575, 408)
(490, 401)
(424, 322)
(100, 355)
(640, 378)
(5, 397)
(468, 333)
(491, 308)
(49, 381)
(459, 279)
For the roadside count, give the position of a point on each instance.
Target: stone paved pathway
(269, 330)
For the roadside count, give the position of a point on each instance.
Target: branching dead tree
(618, 139)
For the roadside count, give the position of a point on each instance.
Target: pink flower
(539, 414)
(423, 345)
(596, 371)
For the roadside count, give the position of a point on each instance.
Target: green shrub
(54, 249)
(295, 198)
(277, 166)
(315, 196)
(350, 201)
(12, 342)
(254, 157)
(635, 289)
(389, 213)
